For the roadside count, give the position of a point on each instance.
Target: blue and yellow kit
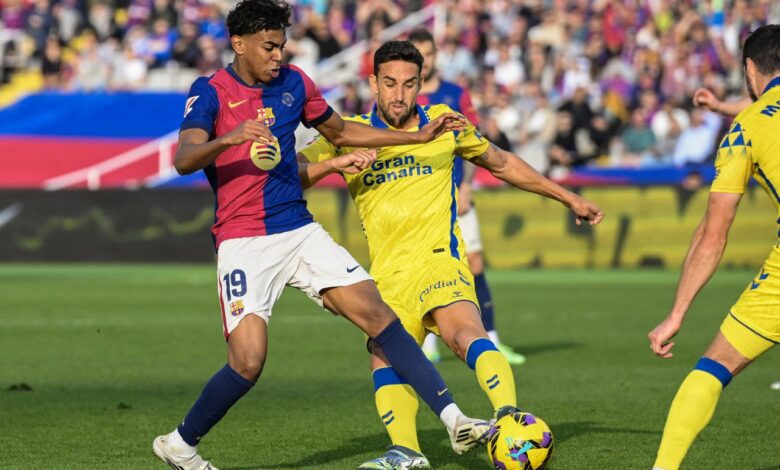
(752, 148)
(407, 201)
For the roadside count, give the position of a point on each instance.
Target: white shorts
(253, 271)
(469, 228)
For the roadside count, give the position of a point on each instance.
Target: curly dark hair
(397, 50)
(251, 16)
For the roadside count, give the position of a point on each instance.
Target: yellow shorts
(438, 283)
(753, 325)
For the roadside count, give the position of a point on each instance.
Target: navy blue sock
(408, 360)
(220, 393)
(485, 301)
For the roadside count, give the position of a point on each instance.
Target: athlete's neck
(244, 75)
(430, 85)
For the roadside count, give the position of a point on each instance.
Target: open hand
(661, 335)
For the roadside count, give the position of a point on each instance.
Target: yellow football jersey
(752, 148)
(407, 199)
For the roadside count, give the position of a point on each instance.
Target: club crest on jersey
(237, 308)
(188, 105)
(266, 116)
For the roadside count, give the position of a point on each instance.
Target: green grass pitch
(115, 355)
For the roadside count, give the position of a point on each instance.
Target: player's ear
(372, 82)
(239, 47)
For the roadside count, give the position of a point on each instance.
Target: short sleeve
(733, 164)
(469, 143)
(316, 110)
(319, 150)
(201, 107)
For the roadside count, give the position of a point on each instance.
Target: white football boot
(468, 433)
(179, 457)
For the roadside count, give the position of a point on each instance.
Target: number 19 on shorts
(234, 284)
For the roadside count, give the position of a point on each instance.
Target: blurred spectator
(129, 72)
(638, 141)
(185, 50)
(697, 143)
(352, 103)
(161, 42)
(494, 133)
(51, 64)
(9, 59)
(39, 22)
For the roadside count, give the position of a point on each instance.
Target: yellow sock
(397, 406)
(493, 373)
(690, 412)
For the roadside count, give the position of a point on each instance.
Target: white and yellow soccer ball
(520, 441)
(266, 155)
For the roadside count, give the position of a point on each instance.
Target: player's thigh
(469, 228)
(446, 300)
(331, 277)
(752, 326)
(248, 346)
(459, 325)
(736, 345)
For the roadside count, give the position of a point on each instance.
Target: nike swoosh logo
(442, 392)
(349, 270)
(232, 105)
(9, 213)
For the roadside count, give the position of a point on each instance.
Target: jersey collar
(376, 121)
(774, 83)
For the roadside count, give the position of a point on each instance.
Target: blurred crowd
(563, 82)
(576, 82)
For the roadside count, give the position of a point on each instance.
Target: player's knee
(249, 366)
(376, 316)
(462, 338)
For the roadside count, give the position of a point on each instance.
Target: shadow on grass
(525, 349)
(437, 448)
(434, 443)
(565, 431)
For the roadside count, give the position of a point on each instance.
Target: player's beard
(750, 89)
(431, 73)
(397, 122)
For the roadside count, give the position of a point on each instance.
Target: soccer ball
(266, 155)
(520, 441)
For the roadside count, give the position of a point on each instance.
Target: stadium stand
(575, 87)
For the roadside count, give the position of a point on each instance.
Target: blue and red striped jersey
(252, 201)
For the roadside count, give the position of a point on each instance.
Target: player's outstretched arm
(351, 163)
(196, 151)
(707, 246)
(343, 133)
(509, 167)
(704, 97)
